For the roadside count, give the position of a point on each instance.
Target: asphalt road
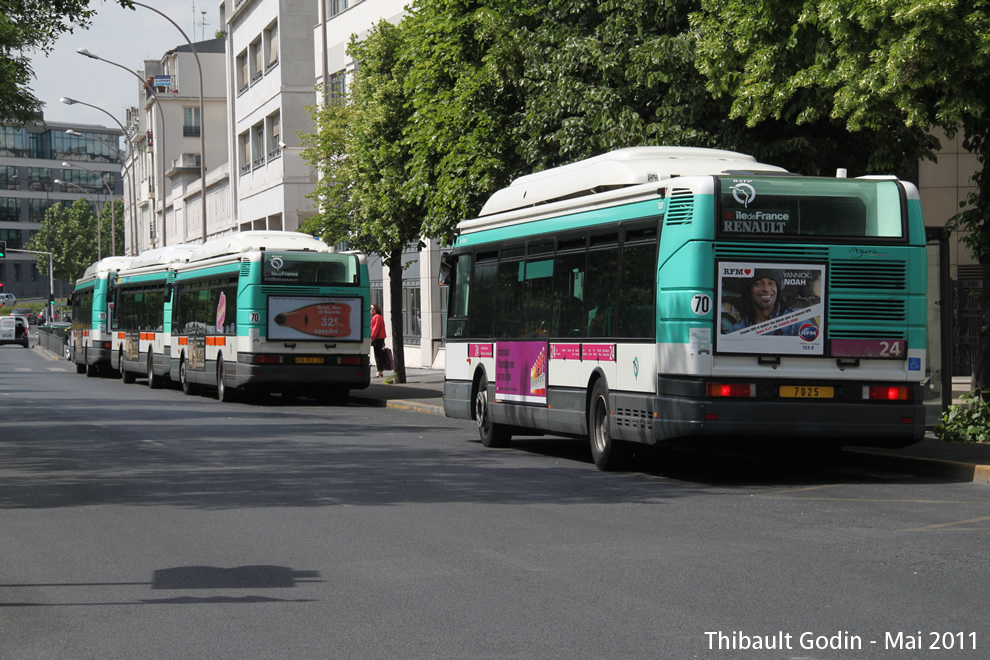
(147, 524)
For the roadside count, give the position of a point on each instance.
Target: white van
(7, 299)
(13, 330)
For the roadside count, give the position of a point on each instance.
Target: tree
(32, 25)
(69, 233)
(358, 145)
(503, 88)
(903, 64)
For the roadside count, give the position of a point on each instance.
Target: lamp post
(202, 111)
(99, 237)
(113, 231)
(161, 136)
(130, 150)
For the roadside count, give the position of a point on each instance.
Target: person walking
(378, 337)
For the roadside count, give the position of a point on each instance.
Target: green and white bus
(655, 294)
(270, 311)
(90, 340)
(142, 321)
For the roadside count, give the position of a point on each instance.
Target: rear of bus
(92, 309)
(799, 313)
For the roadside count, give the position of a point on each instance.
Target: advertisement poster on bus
(314, 317)
(521, 371)
(771, 308)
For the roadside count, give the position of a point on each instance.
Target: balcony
(258, 162)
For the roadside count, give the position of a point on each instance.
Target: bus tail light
(888, 393)
(731, 389)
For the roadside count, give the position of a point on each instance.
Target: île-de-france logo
(743, 193)
(276, 263)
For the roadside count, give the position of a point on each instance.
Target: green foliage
(968, 421)
(358, 146)
(70, 234)
(26, 26)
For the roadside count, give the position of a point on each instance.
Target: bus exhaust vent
(633, 418)
(245, 269)
(741, 252)
(290, 290)
(866, 310)
(680, 207)
(845, 274)
(866, 333)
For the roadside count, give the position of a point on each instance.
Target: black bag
(389, 364)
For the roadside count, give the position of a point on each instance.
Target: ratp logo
(743, 193)
(276, 263)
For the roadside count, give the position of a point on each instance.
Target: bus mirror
(446, 268)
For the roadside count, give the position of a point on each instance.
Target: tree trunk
(981, 362)
(395, 310)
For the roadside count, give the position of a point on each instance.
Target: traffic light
(51, 298)
(3, 249)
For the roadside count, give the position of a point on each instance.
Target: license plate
(807, 392)
(309, 360)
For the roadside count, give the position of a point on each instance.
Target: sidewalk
(423, 392)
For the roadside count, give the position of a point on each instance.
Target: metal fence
(52, 337)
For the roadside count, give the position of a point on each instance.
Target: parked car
(7, 299)
(13, 330)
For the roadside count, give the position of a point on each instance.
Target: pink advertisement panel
(521, 372)
(480, 350)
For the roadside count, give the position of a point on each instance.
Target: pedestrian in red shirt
(378, 338)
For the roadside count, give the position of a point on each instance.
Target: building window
(274, 136)
(190, 122)
(9, 178)
(10, 211)
(243, 82)
(337, 6)
(258, 145)
(257, 61)
(13, 238)
(244, 152)
(271, 43)
(338, 88)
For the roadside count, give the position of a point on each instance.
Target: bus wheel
(187, 387)
(154, 380)
(607, 453)
(80, 368)
(492, 434)
(224, 393)
(125, 375)
(91, 371)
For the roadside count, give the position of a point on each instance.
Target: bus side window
(637, 293)
(601, 281)
(481, 306)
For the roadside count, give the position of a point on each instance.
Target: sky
(126, 37)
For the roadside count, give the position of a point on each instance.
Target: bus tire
(224, 393)
(187, 387)
(154, 380)
(91, 371)
(127, 376)
(80, 368)
(492, 434)
(608, 454)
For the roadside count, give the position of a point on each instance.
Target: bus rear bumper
(277, 377)
(877, 424)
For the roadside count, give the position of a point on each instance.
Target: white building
(269, 65)
(168, 136)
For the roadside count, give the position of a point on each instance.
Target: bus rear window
(320, 268)
(757, 207)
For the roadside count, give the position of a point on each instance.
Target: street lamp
(202, 111)
(161, 136)
(99, 237)
(130, 150)
(113, 231)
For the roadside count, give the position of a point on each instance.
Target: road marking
(23, 369)
(953, 524)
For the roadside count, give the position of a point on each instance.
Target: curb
(940, 467)
(413, 406)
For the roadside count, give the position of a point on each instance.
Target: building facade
(83, 157)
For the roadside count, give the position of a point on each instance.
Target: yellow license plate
(807, 392)
(309, 360)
